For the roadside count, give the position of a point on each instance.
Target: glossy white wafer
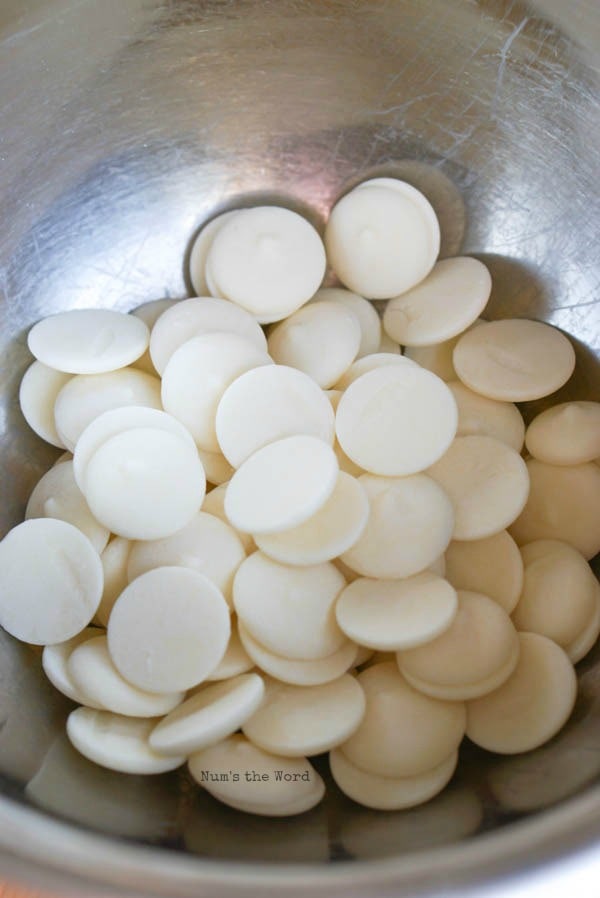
(474, 655)
(197, 375)
(149, 313)
(371, 420)
(93, 673)
(88, 341)
(55, 659)
(389, 615)
(294, 721)
(531, 706)
(145, 483)
(384, 793)
(514, 359)
(558, 598)
(87, 396)
(57, 495)
(403, 732)
(300, 673)
(193, 317)
(322, 339)
(299, 788)
(168, 630)
(281, 485)
(206, 544)
(487, 482)
(289, 610)
(114, 566)
(368, 319)
(567, 434)
(267, 260)
(478, 415)
(382, 241)
(117, 742)
(564, 504)
(441, 306)
(50, 581)
(200, 248)
(410, 523)
(213, 713)
(336, 527)
(37, 394)
(214, 503)
(115, 421)
(492, 566)
(267, 404)
(369, 363)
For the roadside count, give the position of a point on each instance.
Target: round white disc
(514, 359)
(289, 610)
(117, 742)
(553, 571)
(50, 581)
(564, 504)
(492, 566)
(115, 421)
(396, 420)
(403, 733)
(88, 341)
(322, 339)
(390, 615)
(150, 312)
(281, 485)
(442, 306)
(294, 721)
(267, 404)
(567, 434)
(531, 706)
(410, 523)
(385, 793)
(381, 241)
(144, 483)
(268, 260)
(487, 482)
(480, 641)
(211, 714)
(168, 630)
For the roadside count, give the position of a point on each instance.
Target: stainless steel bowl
(127, 123)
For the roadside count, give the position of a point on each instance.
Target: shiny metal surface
(124, 124)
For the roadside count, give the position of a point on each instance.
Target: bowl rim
(560, 845)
